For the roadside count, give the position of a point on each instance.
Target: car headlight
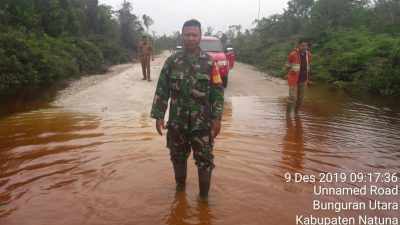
(223, 63)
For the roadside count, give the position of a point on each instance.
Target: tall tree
(19, 13)
(386, 15)
(51, 16)
(147, 21)
(130, 26)
(107, 26)
(300, 9)
(298, 14)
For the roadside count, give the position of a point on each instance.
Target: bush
(365, 60)
(28, 58)
(348, 58)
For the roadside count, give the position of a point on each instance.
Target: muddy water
(61, 167)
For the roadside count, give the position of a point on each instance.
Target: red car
(224, 57)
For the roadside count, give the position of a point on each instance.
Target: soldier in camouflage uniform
(191, 79)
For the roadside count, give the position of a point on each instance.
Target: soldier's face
(191, 38)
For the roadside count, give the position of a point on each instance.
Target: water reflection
(293, 144)
(26, 99)
(113, 169)
(33, 136)
(204, 214)
(181, 212)
(38, 148)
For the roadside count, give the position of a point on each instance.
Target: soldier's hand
(215, 128)
(160, 126)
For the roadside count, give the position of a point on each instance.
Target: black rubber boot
(204, 183)
(297, 106)
(180, 175)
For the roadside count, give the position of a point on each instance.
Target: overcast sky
(169, 15)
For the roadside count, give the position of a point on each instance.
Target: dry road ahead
(121, 91)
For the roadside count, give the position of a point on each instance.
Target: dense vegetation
(45, 40)
(355, 43)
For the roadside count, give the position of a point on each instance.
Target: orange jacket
(293, 66)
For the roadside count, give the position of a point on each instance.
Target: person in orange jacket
(298, 75)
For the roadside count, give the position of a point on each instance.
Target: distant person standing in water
(191, 80)
(145, 54)
(298, 75)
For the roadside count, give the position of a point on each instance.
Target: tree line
(355, 43)
(44, 40)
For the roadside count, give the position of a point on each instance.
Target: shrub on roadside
(30, 58)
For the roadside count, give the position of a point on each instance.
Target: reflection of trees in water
(182, 214)
(293, 144)
(322, 101)
(336, 119)
(36, 127)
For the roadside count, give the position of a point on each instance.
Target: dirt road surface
(121, 91)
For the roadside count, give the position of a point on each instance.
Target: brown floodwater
(68, 168)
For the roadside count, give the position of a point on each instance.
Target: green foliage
(45, 40)
(384, 16)
(28, 58)
(18, 13)
(169, 42)
(355, 44)
(130, 26)
(366, 60)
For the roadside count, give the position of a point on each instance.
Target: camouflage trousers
(181, 142)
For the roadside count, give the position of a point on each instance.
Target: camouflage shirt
(195, 88)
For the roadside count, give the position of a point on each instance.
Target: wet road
(66, 167)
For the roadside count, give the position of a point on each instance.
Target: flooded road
(94, 157)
